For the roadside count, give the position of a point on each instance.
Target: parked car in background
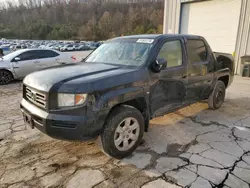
(50, 44)
(76, 45)
(12, 47)
(5, 49)
(98, 44)
(82, 47)
(17, 47)
(18, 64)
(121, 86)
(58, 47)
(23, 47)
(91, 45)
(35, 46)
(1, 52)
(68, 47)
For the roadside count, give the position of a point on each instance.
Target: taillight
(72, 57)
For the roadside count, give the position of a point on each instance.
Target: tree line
(79, 19)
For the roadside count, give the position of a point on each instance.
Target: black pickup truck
(123, 84)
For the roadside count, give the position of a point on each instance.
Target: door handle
(184, 76)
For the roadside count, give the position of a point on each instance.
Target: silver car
(20, 63)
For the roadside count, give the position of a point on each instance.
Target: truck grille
(36, 98)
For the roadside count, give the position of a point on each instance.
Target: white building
(224, 23)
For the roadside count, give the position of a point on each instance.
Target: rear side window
(172, 52)
(196, 50)
(47, 54)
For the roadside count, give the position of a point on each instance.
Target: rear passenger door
(200, 69)
(48, 58)
(168, 90)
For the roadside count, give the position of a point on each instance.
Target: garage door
(216, 20)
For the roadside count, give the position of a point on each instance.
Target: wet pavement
(193, 147)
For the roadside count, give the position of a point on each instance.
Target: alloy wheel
(5, 77)
(126, 134)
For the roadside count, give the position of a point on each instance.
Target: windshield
(121, 53)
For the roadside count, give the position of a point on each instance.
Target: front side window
(172, 52)
(128, 53)
(196, 50)
(28, 56)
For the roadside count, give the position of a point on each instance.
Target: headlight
(67, 100)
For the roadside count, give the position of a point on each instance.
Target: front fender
(225, 72)
(114, 97)
(8, 68)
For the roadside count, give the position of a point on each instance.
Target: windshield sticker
(148, 41)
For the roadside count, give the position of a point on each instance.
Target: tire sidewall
(10, 74)
(220, 86)
(107, 138)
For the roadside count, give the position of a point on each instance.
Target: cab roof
(157, 36)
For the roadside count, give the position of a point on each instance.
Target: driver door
(27, 64)
(168, 89)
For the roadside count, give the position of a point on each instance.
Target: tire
(217, 97)
(116, 131)
(5, 77)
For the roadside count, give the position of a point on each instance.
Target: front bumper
(67, 125)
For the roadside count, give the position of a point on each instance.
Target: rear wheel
(5, 77)
(217, 97)
(123, 132)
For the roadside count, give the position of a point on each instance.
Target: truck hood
(82, 78)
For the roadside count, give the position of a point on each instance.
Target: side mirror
(158, 65)
(17, 59)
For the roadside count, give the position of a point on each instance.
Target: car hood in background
(82, 78)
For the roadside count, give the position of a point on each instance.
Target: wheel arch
(139, 104)
(4, 69)
(225, 76)
(224, 79)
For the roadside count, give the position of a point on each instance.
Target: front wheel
(217, 97)
(5, 77)
(123, 132)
